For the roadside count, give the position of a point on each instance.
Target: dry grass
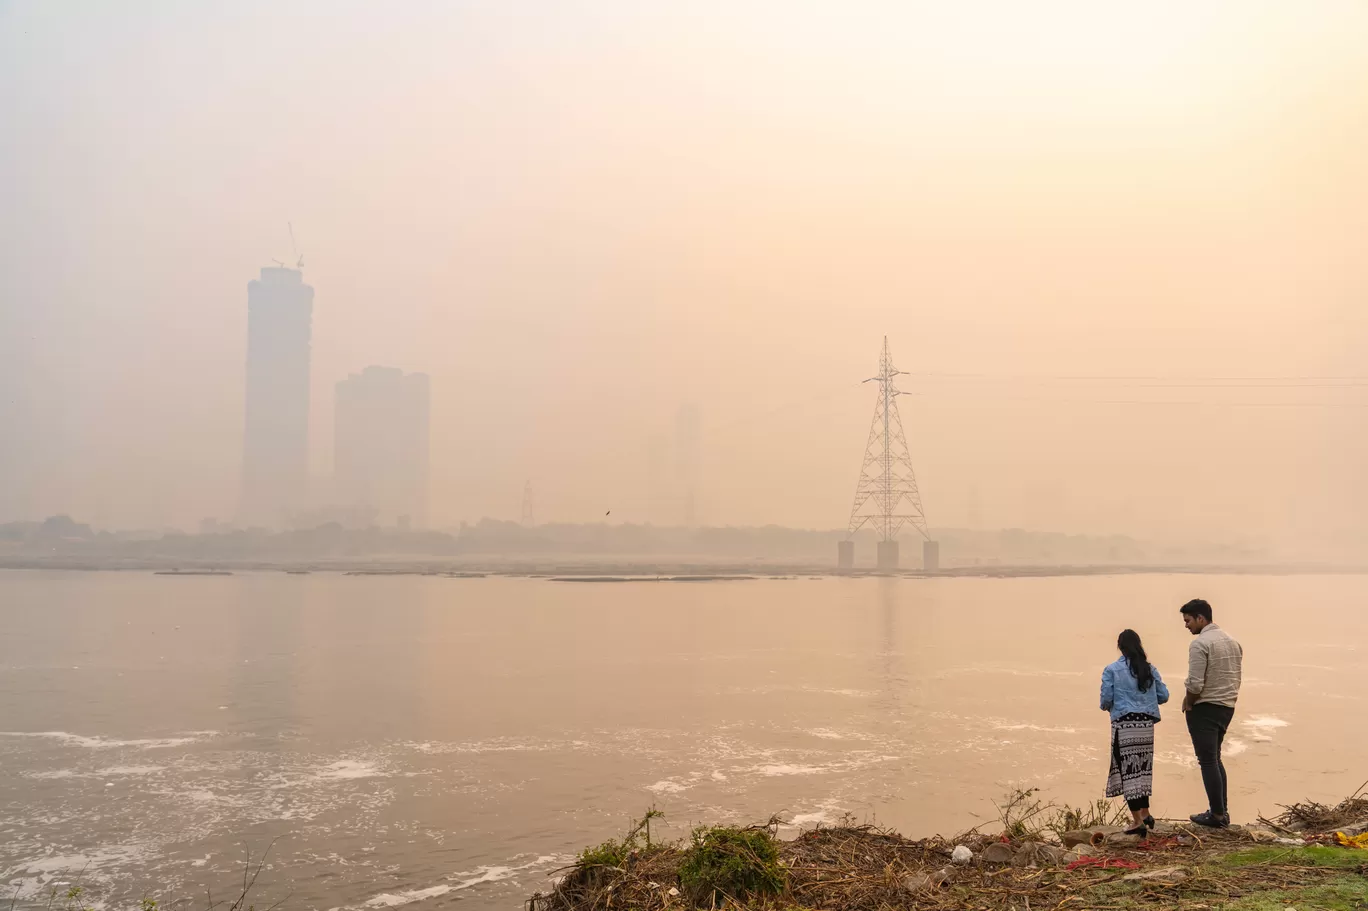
(866, 868)
(1027, 816)
(1318, 818)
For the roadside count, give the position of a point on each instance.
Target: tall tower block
(380, 443)
(275, 444)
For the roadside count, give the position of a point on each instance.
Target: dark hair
(1129, 644)
(1196, 608)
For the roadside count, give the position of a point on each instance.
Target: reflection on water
(420, 740)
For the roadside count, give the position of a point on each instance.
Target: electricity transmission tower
(886, 496)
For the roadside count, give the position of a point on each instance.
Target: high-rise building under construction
(275, 445)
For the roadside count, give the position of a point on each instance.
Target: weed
(732, 863)
(615, 851)
(1025, 815)
(71, 899)
(1021, 813)
(612, 853)
(1100, 812)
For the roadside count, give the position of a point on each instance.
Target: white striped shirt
(1214, 661)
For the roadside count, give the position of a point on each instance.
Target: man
(1213, 685)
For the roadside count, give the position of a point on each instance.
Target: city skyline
(1124, 275)
(381, 415)
(380, 444)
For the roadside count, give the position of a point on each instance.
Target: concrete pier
(931, 556)
(888, 556)
(845, 555)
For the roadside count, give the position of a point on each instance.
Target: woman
(1132, 692)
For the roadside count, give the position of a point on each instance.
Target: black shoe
(1211, 820)
(1149, 821)
(1141, 831)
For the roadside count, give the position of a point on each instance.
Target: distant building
(380, 454)
(275, 450)
(687, 437)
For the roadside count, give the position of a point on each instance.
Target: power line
(1179, 402)
(1162, 381)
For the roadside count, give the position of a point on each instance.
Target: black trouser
(1207, 723)
(1137, 803)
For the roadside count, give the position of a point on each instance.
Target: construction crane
(294, 247)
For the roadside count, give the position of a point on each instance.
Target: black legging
(1207, 723)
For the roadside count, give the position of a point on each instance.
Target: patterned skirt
(1132, 757)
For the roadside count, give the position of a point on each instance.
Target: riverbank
(1036, 858)
(665, 570)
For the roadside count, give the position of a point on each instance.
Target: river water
(429, 741)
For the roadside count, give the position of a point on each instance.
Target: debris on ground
(851, 867)
(1349, 816)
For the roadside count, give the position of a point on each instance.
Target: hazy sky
(1082, 225)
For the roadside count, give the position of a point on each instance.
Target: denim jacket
(1121, 693)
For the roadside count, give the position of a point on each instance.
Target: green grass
(1343, 893)
(614, 852)
(724, 861)
(1313, 856)
(1341, 886)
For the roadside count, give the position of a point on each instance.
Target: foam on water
(668, 786)
(493, 874)
(1265, 722)
(1040, 728)
(52, 869)
(809, 819)
(826, 812)
(775, 770)
(349, 768)
(394, 899)
(465, 879)
(105, 743)
(111, 771)
(499, 745)
(1233, 747)
(1262, 727)
(128, 770)
(853, 761)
